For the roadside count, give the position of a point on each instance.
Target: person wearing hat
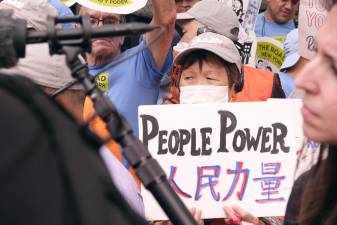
(215, 16)
(209, 70)
(135, 81)
(292, 65)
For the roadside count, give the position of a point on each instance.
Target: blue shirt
(287, 83)
(263, 27)
(133, 82)
(63, 11)
(123, 181)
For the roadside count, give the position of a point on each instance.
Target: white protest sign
(247, 11)
(224, 154)
(114, 6)
(312, 15)
(69, 2)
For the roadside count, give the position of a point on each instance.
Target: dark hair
(202, 56)
(318, 204)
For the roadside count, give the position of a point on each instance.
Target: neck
(268, 16)
(99, 60)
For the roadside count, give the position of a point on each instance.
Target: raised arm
(164, 14)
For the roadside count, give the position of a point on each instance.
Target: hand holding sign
(235, 213)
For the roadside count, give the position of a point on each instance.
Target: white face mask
(203, 94)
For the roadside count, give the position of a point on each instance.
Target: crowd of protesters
(197, 60)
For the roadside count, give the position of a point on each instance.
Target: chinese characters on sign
(224, 154)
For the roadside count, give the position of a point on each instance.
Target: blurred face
(319, 82)
(106, 46)
(184, 5)
(189, 28)
(281, 11)
(209, 74)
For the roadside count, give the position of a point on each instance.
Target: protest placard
(269, 54)
(114, 6)
(68, 2)
(247, 11)
(312, 15)
(224, 154)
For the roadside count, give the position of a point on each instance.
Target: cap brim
(181, 56)
(184, 16)
(290, 61)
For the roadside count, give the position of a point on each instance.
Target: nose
(288, 5)
(306, 80)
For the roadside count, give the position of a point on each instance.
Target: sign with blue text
(218, 155)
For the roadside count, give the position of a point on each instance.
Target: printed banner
(224, 154)
(68, 2)
(269, 54)
(312, 15)
(114, 6)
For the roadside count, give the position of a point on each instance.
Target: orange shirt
(258, 85)
(98, 126)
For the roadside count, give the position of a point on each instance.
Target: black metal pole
(147, 168)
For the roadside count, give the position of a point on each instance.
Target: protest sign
(269, 54)
(224, 154)
(312, 15)
(252, 10)
(68, 2)
(114, 6)
(247, 11)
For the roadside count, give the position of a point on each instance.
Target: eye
(212, 78)
(188, 78)
(111, 21)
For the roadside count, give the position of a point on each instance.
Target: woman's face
(211, 73)
(319, 81)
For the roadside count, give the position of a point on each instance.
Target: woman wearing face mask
(207, 70)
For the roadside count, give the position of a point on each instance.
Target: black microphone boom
(17, 36)
(96, 32)
(72, 43)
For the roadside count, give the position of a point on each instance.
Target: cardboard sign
(224, 154)
(269, 54)
(114, 6)
(69, 2)
(312, 15)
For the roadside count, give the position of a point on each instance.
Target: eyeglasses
(105, 21)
